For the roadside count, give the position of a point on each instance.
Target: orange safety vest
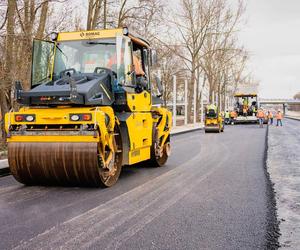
(279, 116)
(232, 114)
(260, 114)
(270, 115)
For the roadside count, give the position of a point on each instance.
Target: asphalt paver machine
(245, 107)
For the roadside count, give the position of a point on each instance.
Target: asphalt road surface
(212, 194)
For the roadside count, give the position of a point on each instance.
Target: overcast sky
(272, 35)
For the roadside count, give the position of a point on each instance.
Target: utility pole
(201, 103)
(195, 100)
(174, 101)
(185, 101)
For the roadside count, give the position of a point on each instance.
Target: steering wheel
(67, 72)
(99, 70)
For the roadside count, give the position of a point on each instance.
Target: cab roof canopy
(245, 95)
(98, 34)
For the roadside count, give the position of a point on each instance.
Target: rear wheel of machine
(159, 159)
(110, 177)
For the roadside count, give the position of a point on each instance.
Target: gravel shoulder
(283, 165)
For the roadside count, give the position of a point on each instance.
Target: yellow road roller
(214, 121)
(90, 110)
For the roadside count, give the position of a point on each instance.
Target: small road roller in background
(214, 121)
(90, 110)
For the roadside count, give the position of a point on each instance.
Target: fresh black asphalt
(212, 194)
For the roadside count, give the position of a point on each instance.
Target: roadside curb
(186, 131)
(273, 231)
(292, 118)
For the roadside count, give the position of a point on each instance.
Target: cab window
(141, 66)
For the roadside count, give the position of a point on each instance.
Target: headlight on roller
(24, 118)
(80, 117)
(74, 117)
(29, 118)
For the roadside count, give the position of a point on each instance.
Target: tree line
(196, 40)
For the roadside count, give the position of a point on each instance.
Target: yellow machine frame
(140, 126)
(214, 124)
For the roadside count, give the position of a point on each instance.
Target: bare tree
(201, 43)
(220, 47)
(297, 96)
(24, 20)
(193, 25)
(170, 65)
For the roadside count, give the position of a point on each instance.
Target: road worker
(244, 111)
(245, 102)
(111, 64)
(279, 117)
(270, 117)
(260, 115)
(227, 117)
(233, 116)
(112, 61)
(138, 66)
(254, 110)
(141, 79)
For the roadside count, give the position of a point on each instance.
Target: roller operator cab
(89, 111)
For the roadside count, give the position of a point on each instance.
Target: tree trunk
(211, 89)
(5, 107)
(43, 19)
(191, 94)
(5, 101)
(104, 13)
(199, 95)
(219, 97)
(93, 13)
(90, 15)
(96, 13)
